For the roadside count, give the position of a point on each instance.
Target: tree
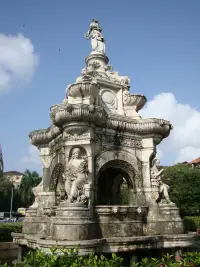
(184, 182)
(29, 180)
(5, 194)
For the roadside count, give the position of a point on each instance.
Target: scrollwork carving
(109, 141)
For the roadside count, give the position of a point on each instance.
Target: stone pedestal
(163, 219)
(36, 222)
(120, 221)
(73, 222)
(170, 221)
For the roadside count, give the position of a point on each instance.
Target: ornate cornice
(140, 126)
(63, 114)
(44, 136)
(79, 112)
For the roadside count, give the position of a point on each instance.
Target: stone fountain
(97, 145)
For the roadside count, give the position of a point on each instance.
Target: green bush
(7, 228)
(66, 258)
(188, 260)
(69, 258)
(191, 223)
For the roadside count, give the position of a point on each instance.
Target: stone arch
(110, 179)
(125, 157)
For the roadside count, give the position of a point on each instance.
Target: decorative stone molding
(108, 99)
(139, 126)
(116, 78)
(44, 136)
(71, 137)
(83, 92)
(56, 145)
(109, 140)
(135, 101)
(98, 116)
(80, 112)
(76, 129)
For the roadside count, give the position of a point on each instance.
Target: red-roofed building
(195, 163)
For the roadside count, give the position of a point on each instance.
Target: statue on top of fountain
(97, 40)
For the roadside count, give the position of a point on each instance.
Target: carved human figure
(95, 34)
(36, 190)
(76, 176)
(155, 173)
(163, 193)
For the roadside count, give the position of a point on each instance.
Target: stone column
(90, 152)
(151, 194)
(46, 159)
(148, 150)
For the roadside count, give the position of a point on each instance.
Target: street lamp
(11, 198)
(11, 202)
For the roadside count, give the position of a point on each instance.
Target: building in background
(195, 163)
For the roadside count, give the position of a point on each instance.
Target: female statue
(97, 39)
(76, 176)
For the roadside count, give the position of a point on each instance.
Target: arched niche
(111, 178)
(124, 156)
(113, 164)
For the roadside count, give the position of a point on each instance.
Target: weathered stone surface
(102, 186)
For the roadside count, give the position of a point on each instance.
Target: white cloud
(184, 139)
(31, 161)
(33, 156)
(159, 154)
(18, 61)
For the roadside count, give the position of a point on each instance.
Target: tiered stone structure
(98, 142)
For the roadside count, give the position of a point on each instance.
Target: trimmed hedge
(7, 228)
(191, 223)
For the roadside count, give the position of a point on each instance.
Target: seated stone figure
(75, 177)
(36, 190)
(163, 193)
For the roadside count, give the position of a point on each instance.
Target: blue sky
(156, 43)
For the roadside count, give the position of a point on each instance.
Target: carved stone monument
(102, 187)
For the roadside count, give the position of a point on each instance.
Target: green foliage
(184, 187)
(188, 260)
(5, 193)
(7, 228)
(66, 258)
(23, 196)
(69, 258)
(29, 180)
(191, 223)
